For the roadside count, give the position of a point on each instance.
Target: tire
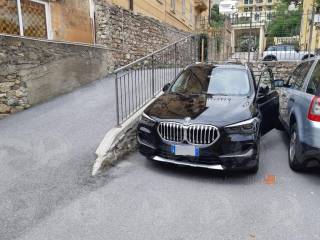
(269, 58)
(307, 56)
(294, 145)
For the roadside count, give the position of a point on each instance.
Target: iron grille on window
(31, 15)
(9, 21)
(34, 19)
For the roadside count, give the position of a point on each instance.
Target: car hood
(216, 110)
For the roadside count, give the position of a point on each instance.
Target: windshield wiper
(217, 94)
(181, 94)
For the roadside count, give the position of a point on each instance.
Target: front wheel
(293, 147)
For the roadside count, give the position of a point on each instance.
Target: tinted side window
(314, 83)
(289, 48)
(300, 74)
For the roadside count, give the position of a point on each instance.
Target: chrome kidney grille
(198, 134)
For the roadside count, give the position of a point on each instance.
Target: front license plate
(185, 150)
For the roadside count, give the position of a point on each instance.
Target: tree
(217, 19)
(284, 23)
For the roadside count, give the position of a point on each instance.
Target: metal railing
(140, 81)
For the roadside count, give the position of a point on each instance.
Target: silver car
(285, 53)
(299, 114)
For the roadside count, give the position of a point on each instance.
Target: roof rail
(235, 61)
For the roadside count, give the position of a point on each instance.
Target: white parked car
(284, 53)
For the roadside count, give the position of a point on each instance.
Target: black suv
(211, 116)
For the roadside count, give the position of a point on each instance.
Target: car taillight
(314, 110)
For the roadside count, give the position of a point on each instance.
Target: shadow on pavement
(222, 177)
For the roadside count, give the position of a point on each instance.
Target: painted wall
(71, 21)
(162, 11)
(305, 29)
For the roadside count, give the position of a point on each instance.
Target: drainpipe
(311, 28)
(93, 20)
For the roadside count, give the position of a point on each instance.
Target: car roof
(224, 66)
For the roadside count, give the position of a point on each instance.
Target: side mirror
(166, 87)
(278, 83)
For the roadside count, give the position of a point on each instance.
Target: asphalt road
(47, 153)
(137, 199)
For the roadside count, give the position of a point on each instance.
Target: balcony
(201, 5)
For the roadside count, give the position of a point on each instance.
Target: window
(269, 1)
(258, 9)
(183, 7)
(173, 5)
(25, 18)
(256, 17)
(248, 1)
(269, 16)
(9, 21)
(314, 83)
(216, 81)
(131, 5)
(229, 82)
(297, 79)
(248, 9)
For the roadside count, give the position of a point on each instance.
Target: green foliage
(284, 23)
(295, 2)
(217, 19)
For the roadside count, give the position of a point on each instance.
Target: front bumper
(230, 152)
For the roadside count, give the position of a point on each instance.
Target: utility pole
(250, 35)
(131, 5)
(311, 28)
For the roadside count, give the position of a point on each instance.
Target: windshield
(215, 81)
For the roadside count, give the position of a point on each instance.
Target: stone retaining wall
(33, 71)
(135, 35)
(281, 70)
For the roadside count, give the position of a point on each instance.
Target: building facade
(74, 20)
(257, 5)
(54, 20)
(228, 7)
(310, 29)
(178, 13)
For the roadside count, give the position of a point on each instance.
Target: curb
(118, 141)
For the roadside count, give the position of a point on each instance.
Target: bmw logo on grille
(187, 119)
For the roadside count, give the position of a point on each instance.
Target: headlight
(246, 127)
(145, 119)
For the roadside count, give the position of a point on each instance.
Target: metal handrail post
(250, 36)
(152, 75)
(117, 99)
(175, 59)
